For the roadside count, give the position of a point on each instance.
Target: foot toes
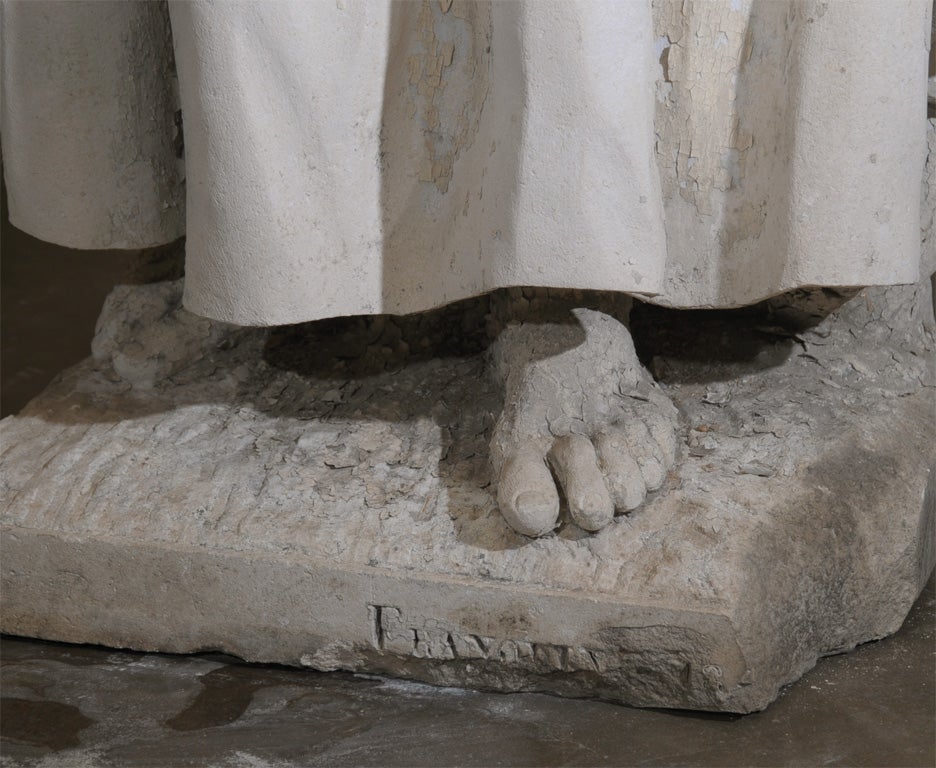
(662, 429)
(526, 492)
(622, 474)
(646, 452)
(575, 463)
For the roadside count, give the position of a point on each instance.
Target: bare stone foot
(581, 416)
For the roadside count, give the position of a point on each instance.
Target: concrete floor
(78, 706)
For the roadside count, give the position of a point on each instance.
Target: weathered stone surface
(336, 520)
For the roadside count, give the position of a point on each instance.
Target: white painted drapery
(352, 156)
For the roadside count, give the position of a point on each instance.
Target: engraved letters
(389, 633)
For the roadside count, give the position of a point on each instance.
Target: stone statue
(353, 159)
(536, 165)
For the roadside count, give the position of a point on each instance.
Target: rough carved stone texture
(336, 511)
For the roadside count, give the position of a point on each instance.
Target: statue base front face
(229, 500)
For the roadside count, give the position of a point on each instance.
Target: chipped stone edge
(440, 630)
(429, 627)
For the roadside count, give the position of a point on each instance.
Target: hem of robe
(613, 166)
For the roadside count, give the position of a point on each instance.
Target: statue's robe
(352, 156)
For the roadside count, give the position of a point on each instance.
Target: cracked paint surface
(702, 47)
(447, 81)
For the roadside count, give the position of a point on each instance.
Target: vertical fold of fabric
(358, 158)
(792, 139)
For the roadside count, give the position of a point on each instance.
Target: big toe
(526, 492)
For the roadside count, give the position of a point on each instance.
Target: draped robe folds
(354, 157)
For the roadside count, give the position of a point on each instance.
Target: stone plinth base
(237, 503)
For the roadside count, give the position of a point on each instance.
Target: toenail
(536, 513)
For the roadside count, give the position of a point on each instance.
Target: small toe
(575, 463)
(526, 492)
(622, 474)
(646, 452)
(662, 429)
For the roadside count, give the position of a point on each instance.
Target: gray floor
(65, 705)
